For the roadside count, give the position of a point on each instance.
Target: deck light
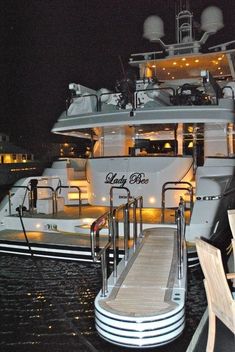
(167, 145)
(190, 145)
(152, 200)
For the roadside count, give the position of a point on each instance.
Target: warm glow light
(163, 68)
(174, 63)
(167, 145)
(219, 58)
(73, 196)
(103, 199)
(187, 64)
(196, 60)
(148, 72)
(153, 66)
(190, 145)
(183, 59)
(38, 226)
(152, 200)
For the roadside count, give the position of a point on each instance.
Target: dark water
(48, 306)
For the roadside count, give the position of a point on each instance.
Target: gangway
(142, 303)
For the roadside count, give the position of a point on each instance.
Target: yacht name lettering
(135, 178)
(139, 178)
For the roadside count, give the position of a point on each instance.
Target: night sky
(47, 44)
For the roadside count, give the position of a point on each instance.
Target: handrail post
(31, 199)
(141, 216)
(180, 221)
(9, 202)
(134, 225)
(54, 202)
(126, 231)
(163, 207)
(104, 273)
(114, 235)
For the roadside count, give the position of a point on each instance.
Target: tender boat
(162, 138)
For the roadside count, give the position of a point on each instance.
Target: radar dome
(153, 28)
(212, 19)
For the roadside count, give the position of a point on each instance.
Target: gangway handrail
(165, 189)
(180, 222)
(113, 219)
(79, 194)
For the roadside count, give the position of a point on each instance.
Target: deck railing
(176, 97)
(58, 188)
(186, 186)
(112, 220)
(180, 222)
(31, 196)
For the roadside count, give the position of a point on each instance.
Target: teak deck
(144, 287)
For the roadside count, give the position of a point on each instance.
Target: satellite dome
(212, 19)
(153, 28)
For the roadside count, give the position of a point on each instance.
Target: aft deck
(64, 235)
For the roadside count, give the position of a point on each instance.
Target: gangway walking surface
(144, 306)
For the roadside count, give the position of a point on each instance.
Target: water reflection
(53, 311)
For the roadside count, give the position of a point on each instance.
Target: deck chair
(231, 218)
(219, 297)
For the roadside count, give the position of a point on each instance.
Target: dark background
(47, 44)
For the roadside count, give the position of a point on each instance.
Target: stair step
(78, 183)
(75, 195)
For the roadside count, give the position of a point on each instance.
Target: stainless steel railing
(79, 195)
(187, 187)
(31, 199)
(180, 222)
(112, 221)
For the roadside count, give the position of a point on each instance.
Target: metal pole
(114, 237)
(178, 222)
(104, 274)
(134, 226)
(163, 207)
(126, 231)
(9, 202)
(141, 217)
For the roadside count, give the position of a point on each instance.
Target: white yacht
(165, 134)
